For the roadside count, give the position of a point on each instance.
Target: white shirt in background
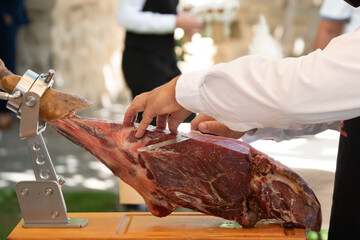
(130, 16)
(336, 10)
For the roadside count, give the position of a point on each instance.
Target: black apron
(345, 212)
(149, 59)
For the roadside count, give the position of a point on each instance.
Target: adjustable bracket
(41, 202)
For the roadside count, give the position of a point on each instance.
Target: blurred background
(82, 41)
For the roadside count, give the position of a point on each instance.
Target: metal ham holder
(41, 201)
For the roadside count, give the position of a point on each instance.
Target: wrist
(173, 83)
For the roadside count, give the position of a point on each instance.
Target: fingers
(176, 118)
(145, 122)
(198, 119)
(138, 105)
(130, 116)
(159, 102)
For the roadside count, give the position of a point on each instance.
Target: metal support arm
(41, 202)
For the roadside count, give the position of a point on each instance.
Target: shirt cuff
(187, 91)
(278, 134)
(172, 23)
(338, 10)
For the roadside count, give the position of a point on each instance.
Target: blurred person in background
(12, 16)
(337, 17)
(149, 58)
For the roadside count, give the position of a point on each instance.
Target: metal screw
(55, 214)
(30, 101)
(44, 173)
(48, 76)
(48, 191)
(40, 160)
(24, 191)
(61, 180)
(36, 146)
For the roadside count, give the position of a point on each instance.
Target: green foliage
(76, 201)
(322, 235)
(312, 235)
(91, 201)
(180, 51)
(9, 211)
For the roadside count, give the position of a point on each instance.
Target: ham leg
(215, 175)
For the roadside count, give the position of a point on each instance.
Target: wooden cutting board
(135, 225)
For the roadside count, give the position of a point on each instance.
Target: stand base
(134, 225)
(73, 223)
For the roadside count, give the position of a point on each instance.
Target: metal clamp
(23, 86)
(26, 98)
(41, 202)
(30, 82)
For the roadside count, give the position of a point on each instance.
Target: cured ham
(215, 175)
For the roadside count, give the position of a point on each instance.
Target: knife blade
(163, 144)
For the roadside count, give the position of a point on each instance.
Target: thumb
(212, 127)
(217, 128)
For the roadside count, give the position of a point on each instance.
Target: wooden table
(133, 225)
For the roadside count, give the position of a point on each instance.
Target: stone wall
(86, 48)
(34, 40)
(81, 40)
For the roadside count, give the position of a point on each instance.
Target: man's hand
(159, 103)
(189, 23)
(207, 124)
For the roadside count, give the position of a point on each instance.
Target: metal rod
(6, 96)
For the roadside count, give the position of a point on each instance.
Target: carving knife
(163, 144)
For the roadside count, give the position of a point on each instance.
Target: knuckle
(136, 98)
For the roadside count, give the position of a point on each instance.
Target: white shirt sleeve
(336, 10)
(255, 92)
(130, 16)
(278, 134)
